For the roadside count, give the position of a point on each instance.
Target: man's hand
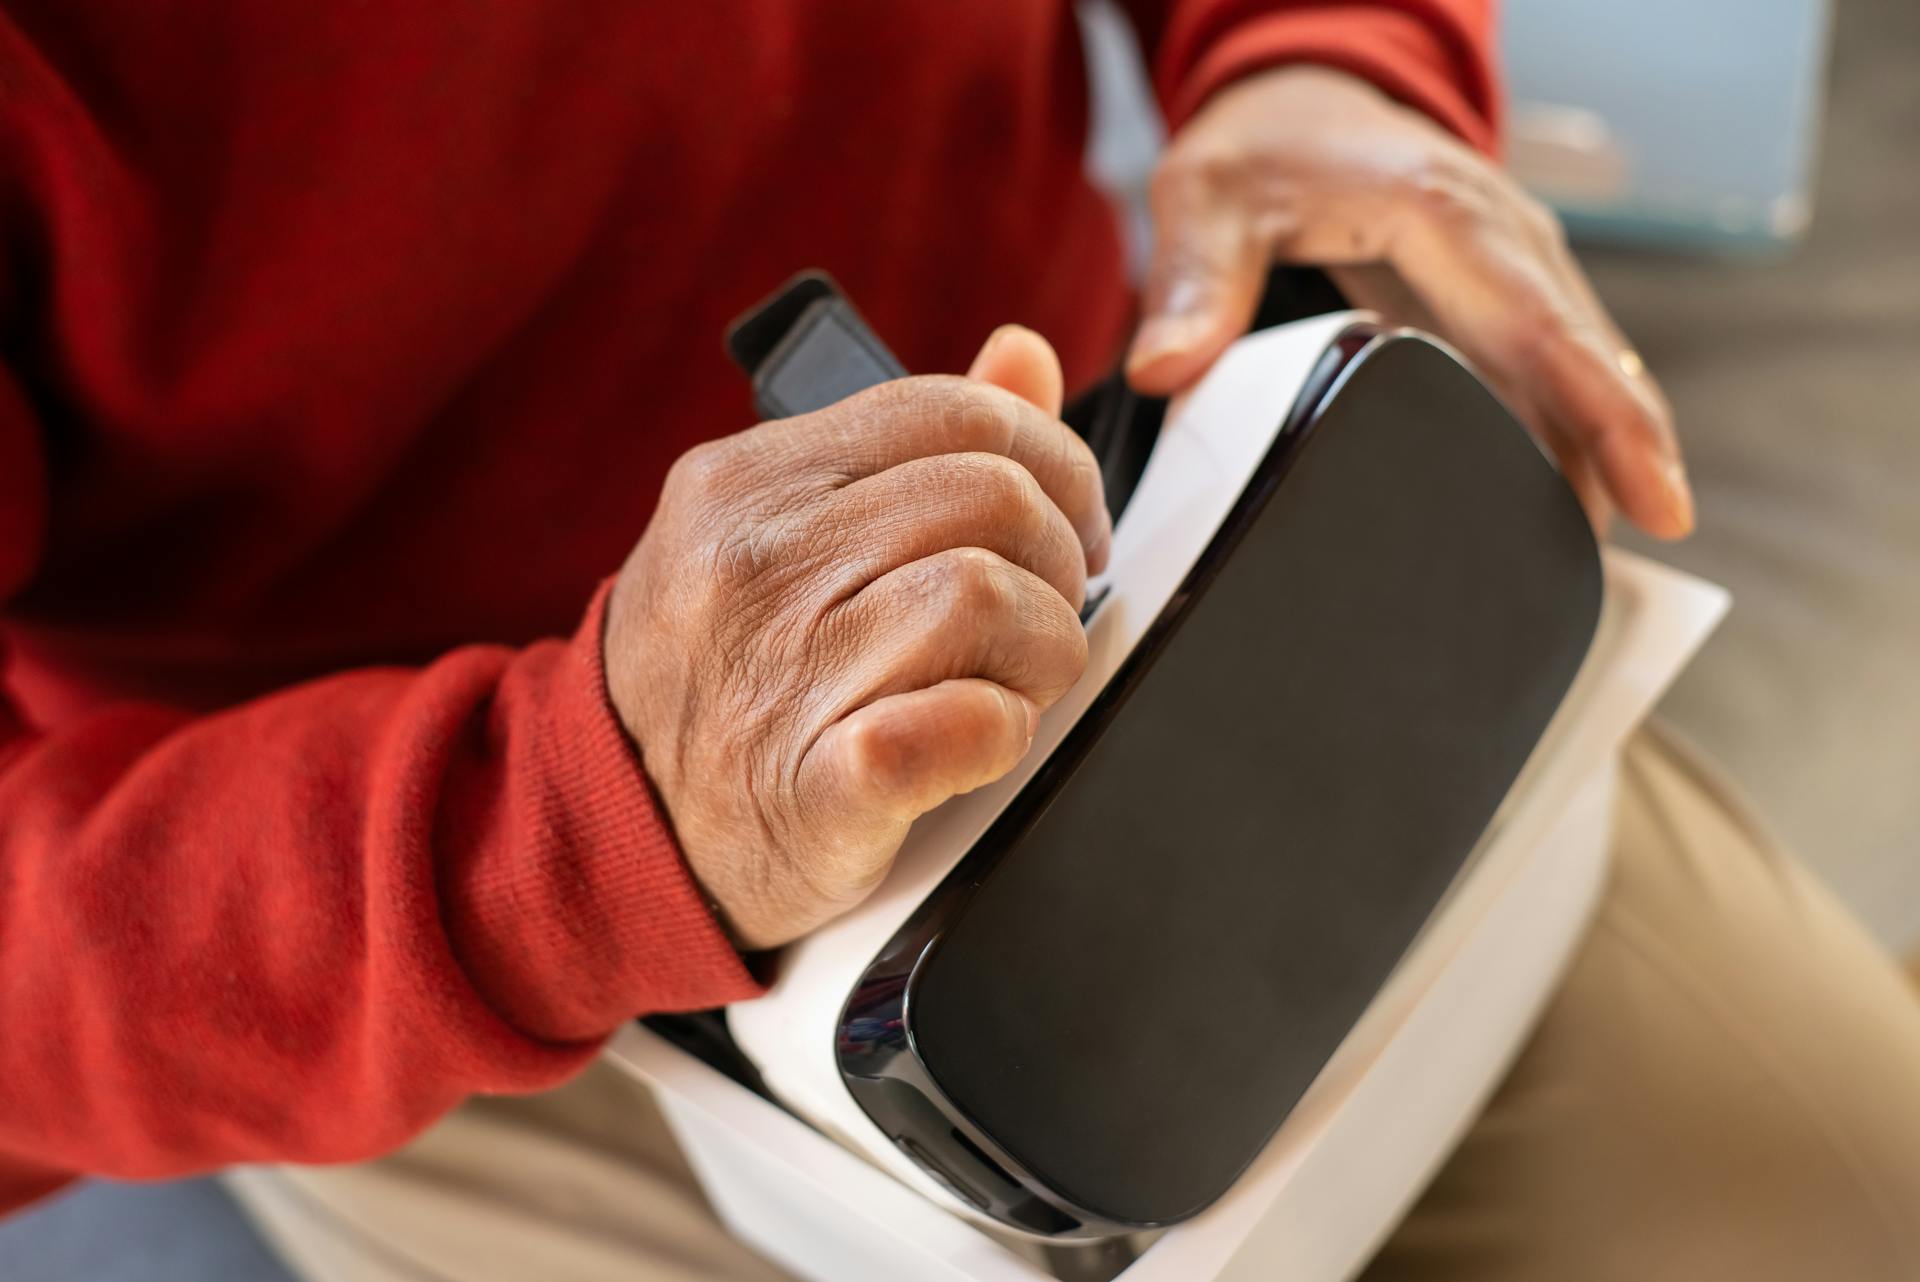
(1309, 165)
(837, 621)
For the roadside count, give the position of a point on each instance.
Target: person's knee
(1709, 1130)
(1726, 1085)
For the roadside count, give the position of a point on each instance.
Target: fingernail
(1673, 479)
(1033, 715)
(1164, 336)
(994, 340)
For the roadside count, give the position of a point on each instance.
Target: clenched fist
(837, 621)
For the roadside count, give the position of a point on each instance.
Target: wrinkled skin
(837, 621)
(1309, 165)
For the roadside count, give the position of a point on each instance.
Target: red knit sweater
(345, 347)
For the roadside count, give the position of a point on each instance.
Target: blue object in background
(1689, 123)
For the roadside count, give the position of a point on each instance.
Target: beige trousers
(1727, 1086)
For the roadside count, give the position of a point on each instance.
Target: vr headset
(1346, 596)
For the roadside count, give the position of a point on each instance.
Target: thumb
(1016, 359)
(884, 765)
(1203, 284)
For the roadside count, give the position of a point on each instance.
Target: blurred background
(1743, 181)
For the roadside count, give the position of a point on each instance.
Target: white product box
(1379, 1119)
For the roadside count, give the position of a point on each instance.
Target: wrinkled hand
(1309, 165)
(837, 621)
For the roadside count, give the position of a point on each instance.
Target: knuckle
(971, 587)
(1192, 174)
(705, 469)
(871, 754)
(978, 418)
(959, 413)
(993, 490)
(878, 408)
(998, 488)
(1453, 189)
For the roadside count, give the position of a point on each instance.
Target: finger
(1590, 490)
(1625, 431)
(930, 505)
(1210, 259)
(933, 415)
(1490, 267)
(1378, 288)
(964, 612)
(1576, 465)
(1619, 358)
(1020, 361)
(884, 765)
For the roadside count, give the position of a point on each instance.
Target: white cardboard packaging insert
(1382, 1115)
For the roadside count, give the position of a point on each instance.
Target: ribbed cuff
(1410, 51)
(585, 913)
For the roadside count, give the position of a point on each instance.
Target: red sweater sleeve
(304, 927)
(1434, 55)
